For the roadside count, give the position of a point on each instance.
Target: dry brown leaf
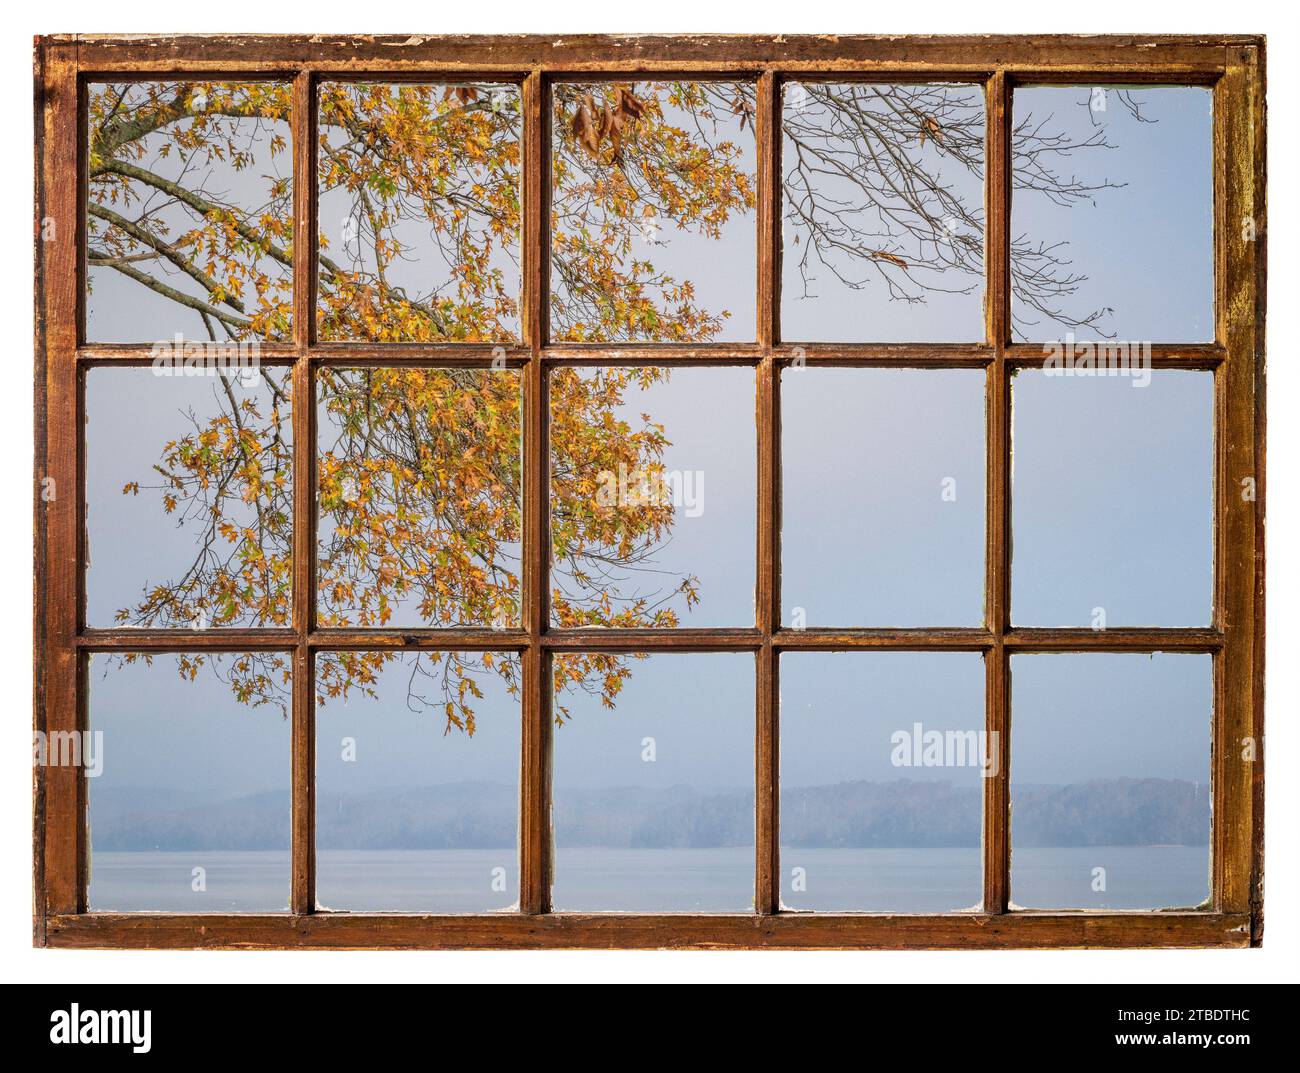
(629, 104)
(584, 129)
(464, 94)
(744, 109)
(892, 258)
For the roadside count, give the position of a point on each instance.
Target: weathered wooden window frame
(1232, 66)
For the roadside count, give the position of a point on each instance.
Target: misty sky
(1112, 499)
(817, 304)
(1146, 243)
(708, 417)
(883, 500)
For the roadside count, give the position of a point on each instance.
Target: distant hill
(1113, 812)
(470, 815)
(902, 812)
(152, 819)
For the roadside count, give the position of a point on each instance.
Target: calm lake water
(654, 880)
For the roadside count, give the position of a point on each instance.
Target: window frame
(1233, 66)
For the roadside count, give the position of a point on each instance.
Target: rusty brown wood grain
(1178, 57)
(997, 407)
(1239, 549)
(61, 791)
(535, 842)
(780, 931)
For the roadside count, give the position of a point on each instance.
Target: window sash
(1232, 66)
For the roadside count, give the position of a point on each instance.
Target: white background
(1277, 961)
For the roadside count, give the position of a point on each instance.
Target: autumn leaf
(744, 108)
(419, 474)
(892, 258)
(464, 94)
(584, 128)
(626, 102)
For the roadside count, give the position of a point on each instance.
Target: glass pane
(882, 494)
(653, 195)
(654, 803)
(1110, 770)
(189, 497)
(419, 487)
(188, 761)
(1113, 499)
(653, 497)
(189, 215)
(882, 766)
(417, 781)
(883, 195)
(419, 212)
(1112, 213)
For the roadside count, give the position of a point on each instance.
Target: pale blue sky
(1112, 499)
(708, 417)
(882, 497)
(1146, 245)
(818, 306)
(1111, 490)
